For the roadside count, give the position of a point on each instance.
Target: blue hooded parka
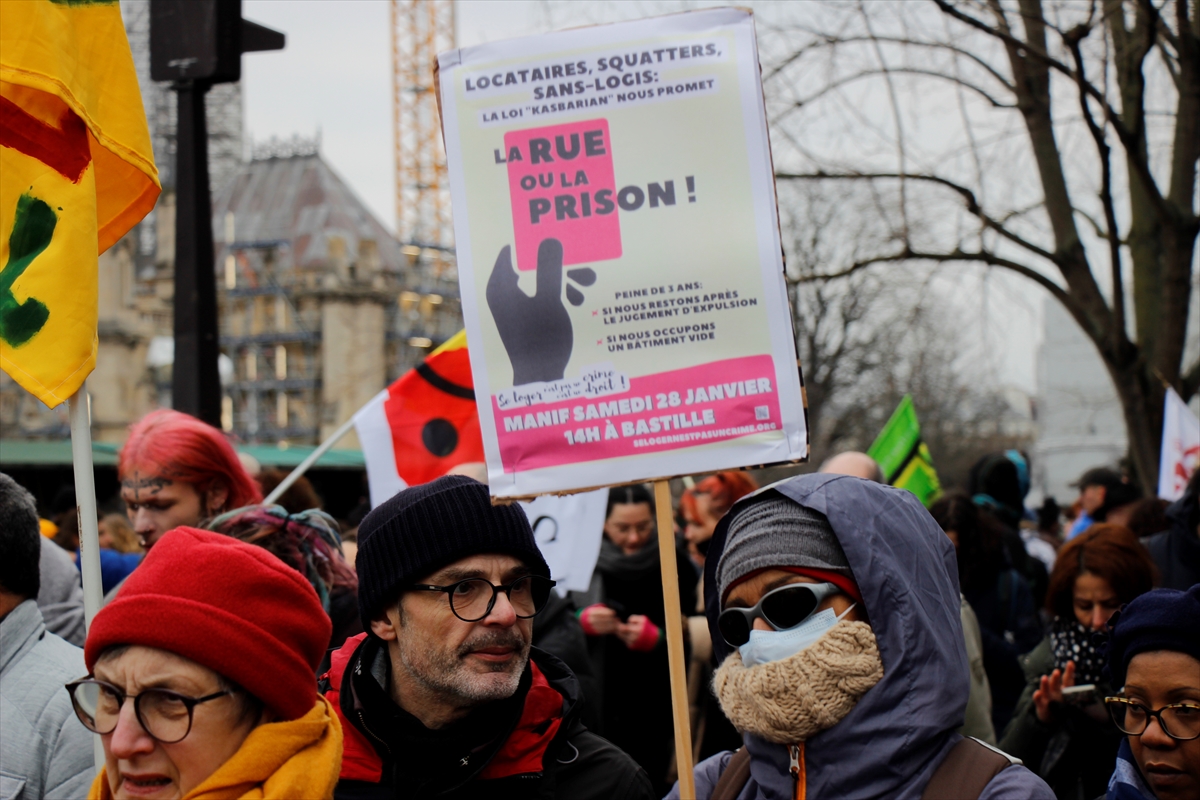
(894, 738)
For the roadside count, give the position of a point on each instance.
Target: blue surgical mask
(766, 646)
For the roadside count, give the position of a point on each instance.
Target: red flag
(423, 424)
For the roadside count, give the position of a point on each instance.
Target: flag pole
(79, 414)
(303, 466)
(674, 635)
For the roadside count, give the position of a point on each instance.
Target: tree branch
(929, 73)
(1119, 339)
(968, 198)
(833, 41)
(957, 254)
(1129, 139)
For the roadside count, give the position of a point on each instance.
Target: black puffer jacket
(557, 631)
(1176, 551)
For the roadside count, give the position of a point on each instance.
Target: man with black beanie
(444, 695)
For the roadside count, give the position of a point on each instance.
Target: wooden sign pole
(674, 634)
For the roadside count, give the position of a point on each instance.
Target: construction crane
(420, 30)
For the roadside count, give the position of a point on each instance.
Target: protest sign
(619, 254)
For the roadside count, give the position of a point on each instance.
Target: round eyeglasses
(165, 715)
(782, 608)
(474, 598)
(1180, 721)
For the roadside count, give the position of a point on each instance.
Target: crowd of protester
(978, 648)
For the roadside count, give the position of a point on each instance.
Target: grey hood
(895, 737)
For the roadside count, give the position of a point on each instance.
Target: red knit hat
(227, 605)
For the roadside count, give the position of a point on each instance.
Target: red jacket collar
(522, 753)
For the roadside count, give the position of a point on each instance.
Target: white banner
(375, 436)
(568, 532)
(1180, 447)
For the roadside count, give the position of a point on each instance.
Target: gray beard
(445, 673)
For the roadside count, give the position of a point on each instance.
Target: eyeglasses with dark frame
(165, 715)
(473, 599)
(1180, 721)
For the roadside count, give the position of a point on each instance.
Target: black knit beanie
(426, 527)
(1163, 619)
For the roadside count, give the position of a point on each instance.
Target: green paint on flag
(33, 227)
(903, 457)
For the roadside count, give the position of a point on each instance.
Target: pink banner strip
(672, 410)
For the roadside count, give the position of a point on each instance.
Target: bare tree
(993, 132)
(876, 335)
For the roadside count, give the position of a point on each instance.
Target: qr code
(762, 412)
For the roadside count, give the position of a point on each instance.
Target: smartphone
(1081, 695)
(622, 612)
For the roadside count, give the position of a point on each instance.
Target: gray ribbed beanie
(778, 532)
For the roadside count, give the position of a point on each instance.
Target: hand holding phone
(1050, 691)
(1082, 695)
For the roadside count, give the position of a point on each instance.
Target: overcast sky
(335, 77)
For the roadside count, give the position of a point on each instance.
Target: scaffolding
(420, 29)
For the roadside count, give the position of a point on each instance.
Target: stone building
(320, 307)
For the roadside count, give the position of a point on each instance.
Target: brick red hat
(227, 605)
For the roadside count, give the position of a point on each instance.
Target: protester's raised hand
(536, 331)
(1049, 691)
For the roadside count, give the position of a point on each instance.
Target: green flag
(903, 457)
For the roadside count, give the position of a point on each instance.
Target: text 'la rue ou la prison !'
(576, 202)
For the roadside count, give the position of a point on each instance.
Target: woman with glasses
(835, 613)
(1060, 729)
(1154, 656)
(201, 680)
(623, 617)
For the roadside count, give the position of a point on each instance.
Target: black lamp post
(196, 44)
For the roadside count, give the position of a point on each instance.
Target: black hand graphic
(536, 331)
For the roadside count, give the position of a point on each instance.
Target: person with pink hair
(176, 470)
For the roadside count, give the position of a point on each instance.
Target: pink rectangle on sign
(560, 180)
(665, 411)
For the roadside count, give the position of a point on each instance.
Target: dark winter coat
(529, 746)
(896, 736)
(1009, 627)
(1176, 551)
(557, 631)
(636, 710)
(1075, 754)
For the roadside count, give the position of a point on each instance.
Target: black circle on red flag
(440, 437)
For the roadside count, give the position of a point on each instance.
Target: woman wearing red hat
(201, 678)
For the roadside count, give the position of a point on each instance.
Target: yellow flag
(76, 173)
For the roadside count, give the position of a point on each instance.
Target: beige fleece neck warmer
(790, 700)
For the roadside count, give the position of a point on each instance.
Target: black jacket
(1176, 551)
(558, 632)
(575, 764)
(1075, 753)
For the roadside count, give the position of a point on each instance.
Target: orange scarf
(278, 761)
